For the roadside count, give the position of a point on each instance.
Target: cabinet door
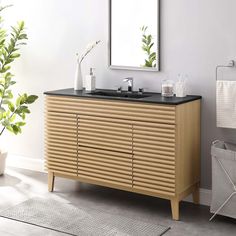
(105, 150)
(154, 158)
(61, 143)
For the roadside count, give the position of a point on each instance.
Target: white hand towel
(226, 104)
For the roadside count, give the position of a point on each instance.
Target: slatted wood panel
(146, 148)
(154, 157)
(105, 150)
(61, 143)
(112, 109)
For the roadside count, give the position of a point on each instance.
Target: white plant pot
(3, 157)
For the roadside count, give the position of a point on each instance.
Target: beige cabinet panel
(154, 157)
(61, 143)
(105, 150)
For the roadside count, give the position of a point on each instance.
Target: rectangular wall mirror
(134, 34)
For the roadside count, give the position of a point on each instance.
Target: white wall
(196, 35)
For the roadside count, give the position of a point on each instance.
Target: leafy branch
(147, 45)
(12, 114)
(88, 49)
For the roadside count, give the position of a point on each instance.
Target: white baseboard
(205, 197)
(38, 165)
(25, 163)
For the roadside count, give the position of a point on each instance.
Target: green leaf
(144, 41)
(14, 29)
(6, 123)
(18, 100)
(8, 75)
(12, 82)
(152, 55)
(8, 94)
(31, 99)
(23, 116)
(11, 107)
(21, 100)
(2, 41)
(150, 46)
(21, 25)
(5, 101)
(22, 109)
(5, 69)
(12, 118)
(22, 36)
(15, 55)
(148, 64)
(26, 110)
(8, 61)
(152, 58)
(15, 129)
(149, 39)
(9, 127)
(20, 123)
(144, 48)
(2, 109)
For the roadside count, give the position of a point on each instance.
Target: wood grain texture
(175, 208)
(99, 150)
(147, 140)
(61, 143)
(187, 145)
(51, 179)
(112, 109)
(138, 147)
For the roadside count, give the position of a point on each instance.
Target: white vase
(78, 83)
(3, 157)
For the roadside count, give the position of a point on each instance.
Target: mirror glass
(134, 34)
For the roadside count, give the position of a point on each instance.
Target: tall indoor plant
(12, 111)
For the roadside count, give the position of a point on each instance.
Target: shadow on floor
(9, 180)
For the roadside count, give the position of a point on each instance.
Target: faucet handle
(119, 89)
(140, 90)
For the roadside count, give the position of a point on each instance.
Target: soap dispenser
(90, 81)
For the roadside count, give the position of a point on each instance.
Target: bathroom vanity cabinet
(147, 147)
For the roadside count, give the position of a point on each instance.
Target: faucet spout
(130, 82)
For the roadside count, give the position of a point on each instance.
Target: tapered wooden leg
(196, 195)
(175, 209)
(51, 178)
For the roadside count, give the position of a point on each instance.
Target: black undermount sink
(119, 94)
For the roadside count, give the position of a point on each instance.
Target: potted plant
(12, 111)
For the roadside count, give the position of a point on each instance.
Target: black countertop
(153, 97)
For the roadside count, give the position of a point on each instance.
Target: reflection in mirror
(134, 34)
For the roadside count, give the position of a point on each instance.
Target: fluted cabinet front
(154, 157)
(61, 143)
(146, 148)
(105, 150)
